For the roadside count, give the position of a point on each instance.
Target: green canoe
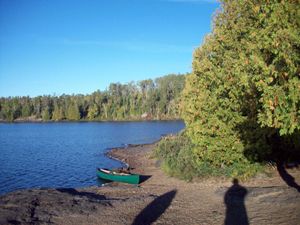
(129, 178)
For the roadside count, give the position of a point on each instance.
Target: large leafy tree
(245, 84)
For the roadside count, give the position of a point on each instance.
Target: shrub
(178, 159)
(175, 153)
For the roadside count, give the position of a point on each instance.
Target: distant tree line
(146, 99)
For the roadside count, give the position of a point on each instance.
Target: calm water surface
(36, 155)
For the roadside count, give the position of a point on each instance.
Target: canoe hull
(130, 178)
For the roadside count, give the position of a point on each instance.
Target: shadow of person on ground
(234, 200)
(288, 179)
(155, 209)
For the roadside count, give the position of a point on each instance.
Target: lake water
(34, 155)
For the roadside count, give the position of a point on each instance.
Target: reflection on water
(67, 154)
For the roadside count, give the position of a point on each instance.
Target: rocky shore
(160, 199)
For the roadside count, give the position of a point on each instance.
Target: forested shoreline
(149, 99)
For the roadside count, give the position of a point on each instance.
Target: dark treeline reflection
(146, 99)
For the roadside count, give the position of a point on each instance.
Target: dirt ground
(160, 199)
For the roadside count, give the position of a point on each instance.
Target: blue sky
(80, 46)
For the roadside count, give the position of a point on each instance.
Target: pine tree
(46, 115)
(93, 112)
(73, 112)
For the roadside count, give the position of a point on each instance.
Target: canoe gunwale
(119, 177)
(109, 172)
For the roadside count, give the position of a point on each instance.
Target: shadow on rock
(155, 209)
(234, 199)
(89, 195)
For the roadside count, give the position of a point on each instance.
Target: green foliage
(174, 151)
(10, 109)
(93, 112)
(178, 159)
(58, 113)
(73, 112)
(244, 91)
(273, 54)
(158, 99)
(26, 109)
(46, 115)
